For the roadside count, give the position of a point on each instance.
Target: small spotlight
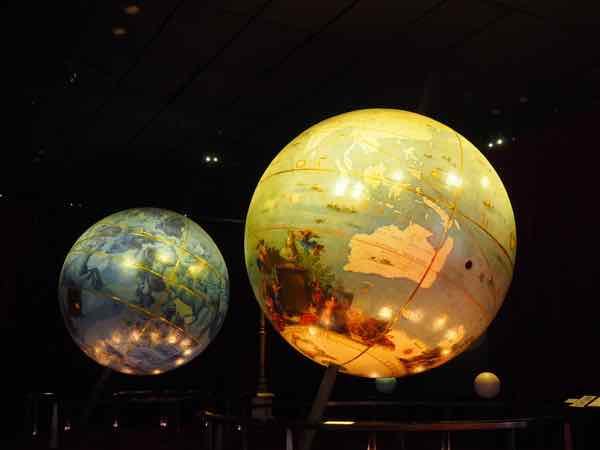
(119, 31)
(215, 159)
(490, 144)
(500, 141)
(132, 10)
(207, 159)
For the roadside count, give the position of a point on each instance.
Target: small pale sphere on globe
(380, 241)
(385, 385)
(144, 291)
(487, 385)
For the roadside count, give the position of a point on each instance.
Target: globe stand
(318, 406)
(262, 402)
(93, 399)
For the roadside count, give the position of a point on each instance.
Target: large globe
(144, 291)
(380, 241)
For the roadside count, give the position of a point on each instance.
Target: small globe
(144, 291)
(385, 385)
(487, 385)
(380, 241)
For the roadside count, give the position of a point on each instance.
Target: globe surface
(381, 241)
(144, 291)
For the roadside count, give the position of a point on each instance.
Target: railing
(216, 425)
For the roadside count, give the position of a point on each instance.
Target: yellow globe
(381, 241)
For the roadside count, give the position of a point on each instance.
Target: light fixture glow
(132, 10)
(490, 144)
(119, 31)
(397, 176)
(385, 313)
(339, 422)
(358, 190)
(453, 180)
(500, 141)
(340, 186)
(440, 322)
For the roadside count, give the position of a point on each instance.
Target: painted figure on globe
(381, 241)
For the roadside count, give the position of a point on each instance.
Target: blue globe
(144, 291)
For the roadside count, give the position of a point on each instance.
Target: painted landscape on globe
(380, 241)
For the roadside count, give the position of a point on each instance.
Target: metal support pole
(96, 390)
(318, 406)
(262, 403)
(262, 340)
(54, 426)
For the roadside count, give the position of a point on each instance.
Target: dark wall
(543, 343)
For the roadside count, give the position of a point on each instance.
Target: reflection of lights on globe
(340, 186)
(126, 370)
(187, 352)
(156, 371)
(446, 351)
(418, 369)
(197, 268)
(440, 322)
(135, 335)
(312, 330)
(172, 339)
(485, 182)
(413, 315)
(385, 313)
(128, 261)
(357, 191)
(179, 361)
(397, 176)
(453, 180)
(185, 343)
(116, 338)
(165, 257)
(451, 335)
(155, 337)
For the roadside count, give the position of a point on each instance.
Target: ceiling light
(207, 158)
(499, 141)
(119, 31)
(215, 159)
(132, 10)
(490, 144)
(338, 422)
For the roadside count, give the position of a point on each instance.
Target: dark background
(102, 123)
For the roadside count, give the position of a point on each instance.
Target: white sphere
(487, 385)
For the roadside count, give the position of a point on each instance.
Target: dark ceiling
(240, 78)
